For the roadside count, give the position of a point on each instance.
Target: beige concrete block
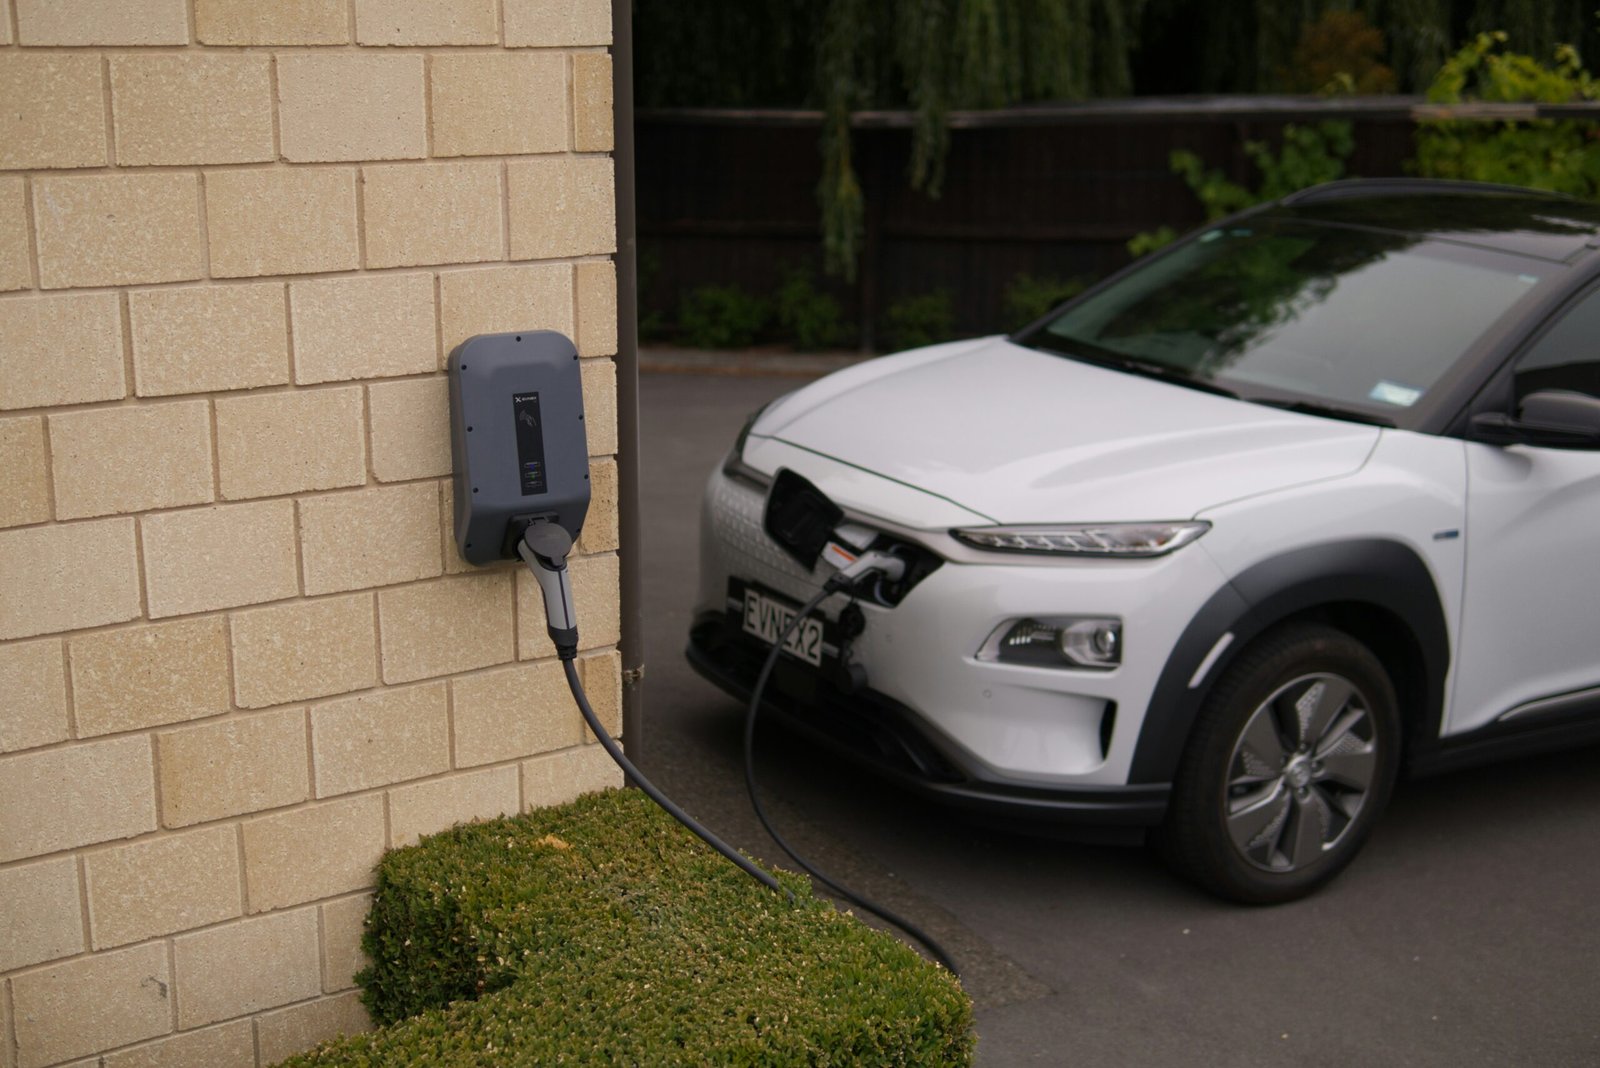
(16, 262)
(416, 213)
(67, 576)
(42, 919)
(283, 220)
(229, 1045)
(429, 807)
(372, 537)
(304, 649)
(237, 765)
(219, 557)
(602, 681)
(561, 206)
(597, 308)
(162, 886)
(289, 1031)
(380, 738)
(245, 967)
(281, 870)
(499, 103)
(282, 22)
(25, 472)
(600, 530)
(345, 106)
(427, 22)
(204, 339)
(493, 300)
(600, 405)
(595, 592)
(445, 626)
(557, 23)
(118, 229)
(64, 349)
(33, 691)
(147, 676)
(367, 326)
(102, 22)
(556, 778)
(410, 428)
(162, 458)
(5, 38)
(54, 113)
(591, 102)
(274, 443)
(83, 1006)
(191, 108)
(343, 922)
(514, 712)
(64, 798)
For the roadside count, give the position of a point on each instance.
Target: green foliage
(1339, 49)
(1558, 155)
(924, 319)
(807, 316)
(1027, 297)
(722, 317)
(602, 933)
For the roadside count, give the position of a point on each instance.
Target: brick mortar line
(351, 47)
(108, 110)
(31, 228)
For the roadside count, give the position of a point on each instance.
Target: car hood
(1023, 436)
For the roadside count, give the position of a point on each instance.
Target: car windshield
(1359, 320)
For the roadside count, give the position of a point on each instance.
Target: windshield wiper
(1118, 361)
(1332, 411)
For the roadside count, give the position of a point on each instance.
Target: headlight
(1061, 641)
(1088, 539)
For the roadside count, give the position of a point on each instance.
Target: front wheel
(1293, 757)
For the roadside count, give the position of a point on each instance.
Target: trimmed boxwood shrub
(601, 932)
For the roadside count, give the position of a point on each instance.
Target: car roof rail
(1350, 188)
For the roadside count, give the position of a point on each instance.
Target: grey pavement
(1468, 932)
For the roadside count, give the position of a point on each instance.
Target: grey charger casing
(517, 440)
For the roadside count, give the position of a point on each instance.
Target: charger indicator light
(530, 443)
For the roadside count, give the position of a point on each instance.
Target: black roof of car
(1524, 221)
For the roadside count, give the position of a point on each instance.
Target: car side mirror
(1554, 418)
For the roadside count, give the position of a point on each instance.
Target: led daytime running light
(1089, 539)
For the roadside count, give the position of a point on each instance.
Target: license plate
(766, 618)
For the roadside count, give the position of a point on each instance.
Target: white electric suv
(1216, 549)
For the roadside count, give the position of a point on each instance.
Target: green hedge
(601, 932)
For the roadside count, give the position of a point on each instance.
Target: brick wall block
(429, 807)
(281, 221)
(230, 1045)
(102, 22)
(242, 764)
(67, 576)
(54, 115)
(25, 472)
(595, 593)
(445, 626)
(245, 967)
(280, 870)
(64, 349)
(597, 308)
(304, 649)
(189, 108)
(5, 38)
(162, 886)
(602, 681)
(600, 405)
(600, 532)
(557, 23)
(162, 458)
(591, 102)
(421, 213)
(371, 537)
(427, 22)
(499, 104)
(368, 326)
(342, 955)
(556, 778)
(345, 106)
(62, 798)
(380, 738)
(33, 691)
(219, 557)
(118, 229)
(282, 22)
(561, 206)
(410, 428)
(495, 300)
(275, 443)
(208, 338)
(511, 713)
(82, 1006)
(16, 264)
(147, 676)
(42, 919)
(289, 1031)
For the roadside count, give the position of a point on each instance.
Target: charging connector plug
(544, 548)
(859, 567)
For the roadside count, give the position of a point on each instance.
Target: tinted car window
(1567, 356)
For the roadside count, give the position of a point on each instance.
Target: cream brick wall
(239, 655)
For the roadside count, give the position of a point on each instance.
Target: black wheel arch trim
(1383, 574)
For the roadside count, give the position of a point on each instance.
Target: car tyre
(1293, 757)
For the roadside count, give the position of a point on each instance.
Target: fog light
(1057, 641)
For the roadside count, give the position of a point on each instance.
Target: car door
(1530, 627)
